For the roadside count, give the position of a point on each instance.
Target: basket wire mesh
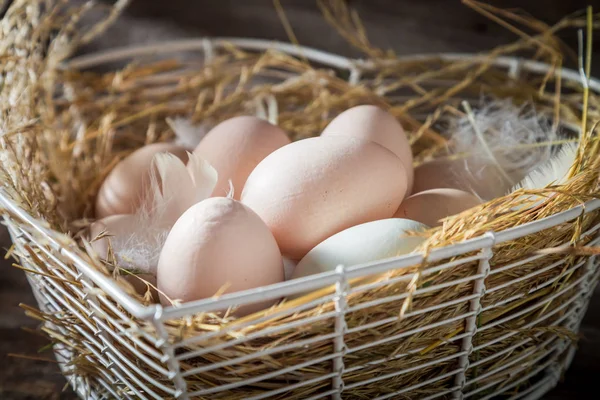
(112, 338)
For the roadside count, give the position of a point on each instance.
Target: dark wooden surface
(407, 26)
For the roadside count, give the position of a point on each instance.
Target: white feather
(178, 187)
(231, 191)
(513, 138)
(553, 172)
(187, 134)
(173, 189)
(140, 250)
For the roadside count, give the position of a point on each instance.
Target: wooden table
(422, 26)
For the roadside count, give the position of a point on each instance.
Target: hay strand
(406, 330)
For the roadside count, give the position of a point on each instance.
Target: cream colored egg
(361, 244)
(216, 243)
(236, 146)
(471, 175)
(372, 123)
(313, 188)
(125, 186)
(430, 206)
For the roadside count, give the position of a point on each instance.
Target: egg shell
(236, 146)
(471, 175)
(430, 206)
(313, 188)
(216, 242)
(125, 186)
(372, 123)
(373, 241)
(288, 267)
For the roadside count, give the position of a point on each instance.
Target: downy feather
(515, 139)
(177, 186)
(173, 189)
(187, 134)
(553, 172)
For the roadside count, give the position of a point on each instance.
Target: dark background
(407, 26)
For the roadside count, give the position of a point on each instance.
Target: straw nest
(63, 129)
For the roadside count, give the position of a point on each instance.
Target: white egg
(359, 244)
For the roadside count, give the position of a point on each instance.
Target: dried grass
(64, 129)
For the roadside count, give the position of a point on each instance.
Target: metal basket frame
(124, 379)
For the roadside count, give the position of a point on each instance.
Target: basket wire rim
(314, 282)
(282, 289)
(159, 314)
(205, 44)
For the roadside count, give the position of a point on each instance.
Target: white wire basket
(125, 353)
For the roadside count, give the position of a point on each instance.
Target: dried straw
(63, 129)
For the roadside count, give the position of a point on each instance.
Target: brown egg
(471, 175)
(236, 146)
(313, 188)
(123, 189)
(374, 124)
(430, 206)
(215, 243)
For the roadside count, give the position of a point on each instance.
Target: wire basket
(111, 345)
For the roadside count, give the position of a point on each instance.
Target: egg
(236, 146)
(313, 188)
(215, 243)
(430, 206)
(365, 243)
(125, 186)
(471, 175)
(372, 123)
(288, 267)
